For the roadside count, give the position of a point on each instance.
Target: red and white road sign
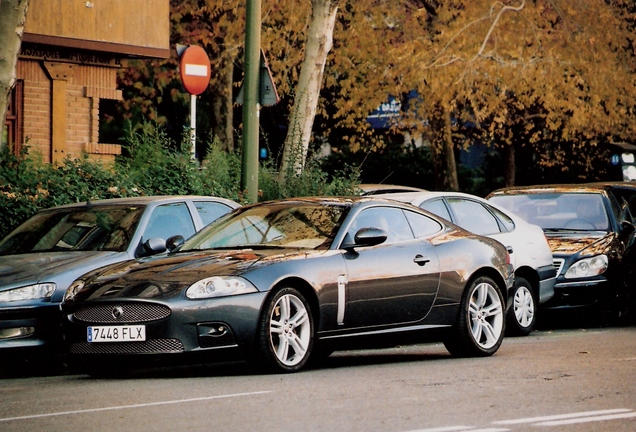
(194, 66)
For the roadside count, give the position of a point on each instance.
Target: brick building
(67, 67)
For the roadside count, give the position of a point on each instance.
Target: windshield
(558, 211)
(297, 225)
(77, 229)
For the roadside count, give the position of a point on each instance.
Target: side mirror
(155, 245)
(174, 242)
(367, 237)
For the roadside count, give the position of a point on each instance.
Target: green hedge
(151, 165)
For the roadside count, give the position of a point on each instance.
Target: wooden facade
(71, 51)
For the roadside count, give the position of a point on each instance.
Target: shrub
(311, 181)
(151, 165)
(27, 184)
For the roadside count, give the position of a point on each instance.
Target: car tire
(522, 315)
(319, 355)
(481, 323)
(286, 332)
(618, 309)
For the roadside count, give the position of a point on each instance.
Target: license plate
(116, 333)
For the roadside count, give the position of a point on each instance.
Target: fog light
(16, 332)
(215, 335)
(217, 330)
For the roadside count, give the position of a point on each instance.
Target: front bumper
(34, 329)
(205, 331)
(581, 293)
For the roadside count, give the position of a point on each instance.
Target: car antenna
(386, 178)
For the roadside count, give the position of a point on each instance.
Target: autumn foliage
(552, 82)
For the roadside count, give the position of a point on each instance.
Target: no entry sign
(194, 66)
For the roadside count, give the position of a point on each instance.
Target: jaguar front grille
(153, 346)
(122, 313)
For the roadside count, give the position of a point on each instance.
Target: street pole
(193, 127)
(251, 107)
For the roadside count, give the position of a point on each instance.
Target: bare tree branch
(489, 16)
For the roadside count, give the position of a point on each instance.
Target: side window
(630, 198)
(505, 220)
(473, 216)
(169, 220)
(627, 207)
(389, 219)
(437, 206)
(422, 226)
(211, 211)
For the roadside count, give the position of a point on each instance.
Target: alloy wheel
(290, 330)
(486, 315)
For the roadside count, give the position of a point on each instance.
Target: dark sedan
(41, 257)
(590, 229)
(281, 282)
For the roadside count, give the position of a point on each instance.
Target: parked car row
(120, 284)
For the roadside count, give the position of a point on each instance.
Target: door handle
(420, 260)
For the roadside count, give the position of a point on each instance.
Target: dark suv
(590, 229)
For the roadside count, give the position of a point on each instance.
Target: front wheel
(522, 316)
(617, 310)
(480, 325)
(286, 329)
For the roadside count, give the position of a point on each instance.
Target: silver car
(44, 255)
(535, 274)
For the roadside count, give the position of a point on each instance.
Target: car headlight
(587, 267)
(218, 286)
(31, 292)
(72, 291)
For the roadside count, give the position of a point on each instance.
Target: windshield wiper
(237, 248)
(262, 246)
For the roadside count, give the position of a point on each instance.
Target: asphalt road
(554, 380)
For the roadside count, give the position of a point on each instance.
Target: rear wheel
(285, 332)
(522, 316)
(480, 325)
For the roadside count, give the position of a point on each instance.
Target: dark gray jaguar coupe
(283, 282)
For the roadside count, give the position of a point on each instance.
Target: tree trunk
(509, 165)
(222, 110)
(450, 167)
(443, 150)
(12, 19)
(319, 43)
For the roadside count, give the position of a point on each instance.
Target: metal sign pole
(193, 127)
(194, 68)
(249, 174)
